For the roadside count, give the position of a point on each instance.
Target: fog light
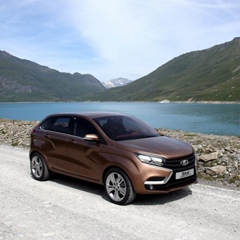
(151, 187)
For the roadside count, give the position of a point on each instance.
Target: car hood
(162, 145)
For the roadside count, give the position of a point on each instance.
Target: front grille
(175, 164)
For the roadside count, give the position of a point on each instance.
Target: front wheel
(118, 187)
(38, 167)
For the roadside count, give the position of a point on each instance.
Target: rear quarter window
(46, 125)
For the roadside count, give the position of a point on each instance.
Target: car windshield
(121, 128)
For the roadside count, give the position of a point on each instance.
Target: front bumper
(164, 179)
(170, 182)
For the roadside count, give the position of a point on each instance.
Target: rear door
(56, 150)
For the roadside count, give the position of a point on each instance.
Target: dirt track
(66, 208)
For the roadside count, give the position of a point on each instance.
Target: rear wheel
(118, 187)
(38, 167)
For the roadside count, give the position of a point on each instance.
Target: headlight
(157, 161)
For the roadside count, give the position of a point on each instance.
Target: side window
(62, 124)
(83, 127)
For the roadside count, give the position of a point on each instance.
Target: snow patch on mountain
(119, 82)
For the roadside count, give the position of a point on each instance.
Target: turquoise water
(220, 119)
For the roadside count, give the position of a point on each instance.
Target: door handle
(71, 140)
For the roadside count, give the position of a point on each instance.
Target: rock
(229, 149)
(236, 165)
(216, 170)
(198, 147)
(209, 157)
(16, 133)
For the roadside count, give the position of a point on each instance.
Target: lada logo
(184, 162)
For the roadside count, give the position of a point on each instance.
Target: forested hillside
(208, 75)
(23, 80)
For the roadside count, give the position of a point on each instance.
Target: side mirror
(91, 137)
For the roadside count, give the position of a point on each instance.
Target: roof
(94, 114)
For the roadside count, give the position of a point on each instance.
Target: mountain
(212, 74)
(23, 80)
(119, 82)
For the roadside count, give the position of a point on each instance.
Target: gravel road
(66, 208)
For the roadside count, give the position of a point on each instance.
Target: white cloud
(114, 38)
(138, 36)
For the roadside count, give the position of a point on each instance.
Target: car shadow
(160, 199)
(149, 199)
(78, 184)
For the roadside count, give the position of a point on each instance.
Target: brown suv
(115, 150)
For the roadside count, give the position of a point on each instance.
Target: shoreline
(219, 155)
(162, 102)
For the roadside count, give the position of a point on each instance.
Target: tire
(38, 168)
(118, 187)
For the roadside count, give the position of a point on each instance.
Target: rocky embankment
(219, 156)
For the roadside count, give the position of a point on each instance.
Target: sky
(114, 38)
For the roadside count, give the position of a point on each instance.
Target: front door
(83, 156)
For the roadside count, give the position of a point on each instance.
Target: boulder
(209, 157)
(216, 170)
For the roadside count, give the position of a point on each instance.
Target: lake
(220, 119)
